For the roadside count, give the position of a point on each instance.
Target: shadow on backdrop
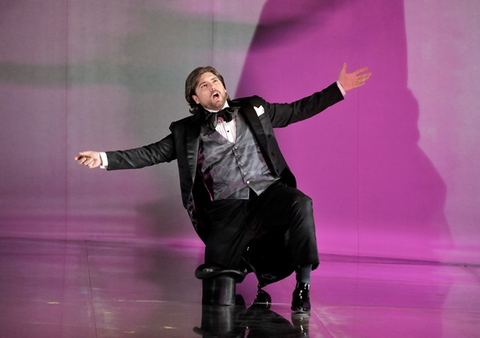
(375, 191)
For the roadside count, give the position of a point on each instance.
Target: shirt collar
(226, 105)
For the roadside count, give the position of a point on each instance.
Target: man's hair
(191, 83)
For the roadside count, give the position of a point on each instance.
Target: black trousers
(235, 223)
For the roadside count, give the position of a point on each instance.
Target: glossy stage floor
(110, 289)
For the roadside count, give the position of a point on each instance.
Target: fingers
(361, 81)
(361, 70)
(364, 77)
(90, 162)
(361, 78)
(82, 157)
(85, 160)
(83, 154)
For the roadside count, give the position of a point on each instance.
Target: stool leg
(219, 290)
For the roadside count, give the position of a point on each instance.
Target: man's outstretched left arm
(282, 115)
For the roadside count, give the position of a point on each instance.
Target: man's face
(210, 92)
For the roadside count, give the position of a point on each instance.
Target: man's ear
(195, 98)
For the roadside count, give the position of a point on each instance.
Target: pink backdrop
(393, 170)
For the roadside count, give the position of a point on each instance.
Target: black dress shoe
(301, 297)
(262, 300)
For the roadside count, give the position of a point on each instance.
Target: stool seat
(219, 284)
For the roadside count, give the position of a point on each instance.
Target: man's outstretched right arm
(161, 151)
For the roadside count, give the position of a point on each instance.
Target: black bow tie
(211, 119)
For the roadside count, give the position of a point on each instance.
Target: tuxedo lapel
(254, 122)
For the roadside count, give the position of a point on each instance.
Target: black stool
(219, 285)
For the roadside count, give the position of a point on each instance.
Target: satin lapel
(192, 140)
(254, 122)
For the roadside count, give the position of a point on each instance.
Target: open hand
(353, 80)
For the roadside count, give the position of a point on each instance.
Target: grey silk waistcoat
(228, 169)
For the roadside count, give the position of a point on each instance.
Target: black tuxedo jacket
(183, 145)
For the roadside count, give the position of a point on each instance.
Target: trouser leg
(283, 208)
(229, 233)
(234, 223)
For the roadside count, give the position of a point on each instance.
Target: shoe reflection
(256, 321)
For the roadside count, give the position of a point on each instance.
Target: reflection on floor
(102, 289)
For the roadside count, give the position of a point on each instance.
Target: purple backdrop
(393, 170)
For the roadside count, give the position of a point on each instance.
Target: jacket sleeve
(283, 114)
(155, 153)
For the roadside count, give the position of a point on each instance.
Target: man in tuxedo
(235, 183)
